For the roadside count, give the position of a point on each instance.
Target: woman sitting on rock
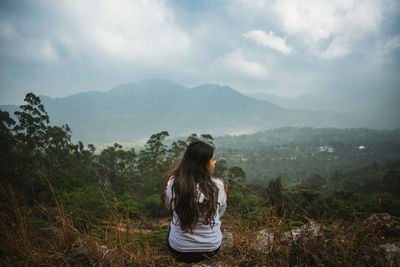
(196, 201)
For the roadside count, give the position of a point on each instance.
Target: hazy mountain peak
(158, 82)
(148, 86)
(215, 88)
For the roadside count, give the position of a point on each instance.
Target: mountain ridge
(132, 111)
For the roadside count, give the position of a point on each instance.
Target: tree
(235, 173)
(153, 161)
(117, 166)
(275, 195)
(193, 137)
(30, 135)
(30, 131)
(391, 182)
(6, 136)
(7, 145)
(207, 138)
(57, 146)
(315, 182)
(177, 150)
(220, 168)
(203, 137)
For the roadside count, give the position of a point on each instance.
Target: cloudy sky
(282, 47)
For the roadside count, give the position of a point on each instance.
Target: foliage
(7, 147)
(30, 131)
(80, 204)
(237, 174)
(243, 202)
(117, 167)
(220, 168)
(130, 206)
(275, 197)
(151, 206)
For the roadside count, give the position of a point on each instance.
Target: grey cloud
(57, 51)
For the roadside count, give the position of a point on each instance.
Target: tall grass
(48, 236)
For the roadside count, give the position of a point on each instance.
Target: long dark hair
(191, 176)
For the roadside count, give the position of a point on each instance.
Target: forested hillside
(298, 153)
(65, 203)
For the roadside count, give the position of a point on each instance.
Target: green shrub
(151, 206)
(66, 181)
(244, 203)
(88, 203)
(129, 205)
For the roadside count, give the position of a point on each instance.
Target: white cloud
(338, 47)
(270, 40)
(237, 64)
(131, 32)
(342, 22)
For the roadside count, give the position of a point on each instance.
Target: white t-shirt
(204, 237)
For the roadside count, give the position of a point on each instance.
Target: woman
(196, 202)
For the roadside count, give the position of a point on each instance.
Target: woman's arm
(222, 196)
(168, 193)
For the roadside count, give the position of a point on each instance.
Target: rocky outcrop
(381, 229)
(392, 253)
(383, 224)
(266, 238)
(227, 240)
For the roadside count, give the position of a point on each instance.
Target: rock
(384, 223)
(309, 230)
(227, 240)
(392, 252)
(103, 248)
(264, 240)
(266, 237)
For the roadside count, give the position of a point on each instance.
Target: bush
(242, 202)
(88, 204)
(151, 207)
(387, 203)
(66, 181)
(129, 205)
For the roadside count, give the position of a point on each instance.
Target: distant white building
(326, 149)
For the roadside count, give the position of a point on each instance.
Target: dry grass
(62, 244)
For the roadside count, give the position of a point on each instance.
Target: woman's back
(203, 237)
(197, 202)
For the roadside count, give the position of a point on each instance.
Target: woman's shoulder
(220, 184)
(218, 181)
(170, 181)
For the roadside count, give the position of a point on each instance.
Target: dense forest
(297, 153)
(65, 203)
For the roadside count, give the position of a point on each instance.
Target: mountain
(304, 102)
(134, 111)
(380, 106)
